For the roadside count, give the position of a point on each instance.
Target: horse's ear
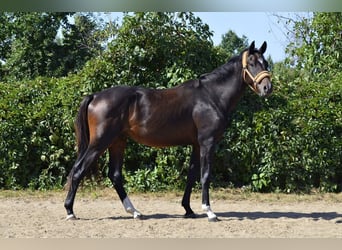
(251, 48)
(263, 48)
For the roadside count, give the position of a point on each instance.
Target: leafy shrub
(289, 142)
(166, 171)
(37, 141)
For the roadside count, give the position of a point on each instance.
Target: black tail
(82, 133)
(81, 126)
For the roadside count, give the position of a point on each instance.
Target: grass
(215, 194)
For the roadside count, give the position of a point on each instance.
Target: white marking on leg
(71, 217)
(130, 208)
(210, 213)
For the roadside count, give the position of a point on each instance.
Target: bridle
(255, 79)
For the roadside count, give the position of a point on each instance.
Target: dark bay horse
(193, 113)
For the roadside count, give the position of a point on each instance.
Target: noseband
(256, 79)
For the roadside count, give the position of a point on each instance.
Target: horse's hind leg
(98, 144)
(193, 170)
(116, 155)
(79, 170)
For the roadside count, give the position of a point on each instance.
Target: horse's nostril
(267, 88)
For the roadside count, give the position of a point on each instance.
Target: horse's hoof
(213, 219)
(71, 217)
(138, 216)
(190, 216)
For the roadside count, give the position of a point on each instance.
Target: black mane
(221, 73)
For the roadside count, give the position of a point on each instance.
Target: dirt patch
(28, 215)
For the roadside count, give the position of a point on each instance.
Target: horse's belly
(162, 137)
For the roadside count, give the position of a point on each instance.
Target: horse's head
(255, 70)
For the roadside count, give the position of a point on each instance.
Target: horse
(193, 113)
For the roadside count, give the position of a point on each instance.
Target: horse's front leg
(206, 152)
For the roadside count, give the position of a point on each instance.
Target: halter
(256, 79)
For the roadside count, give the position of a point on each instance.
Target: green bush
(36, 139)
(288, 142)
(166, 169)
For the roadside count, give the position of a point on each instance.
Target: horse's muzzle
(266, 87)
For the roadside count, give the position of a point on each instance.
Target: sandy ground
(103, 216)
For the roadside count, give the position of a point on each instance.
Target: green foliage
(37, 140)
(167, 170)
(154, 50)
(144, 52)
(290, 141)
(31, 46)
(317, 44)
(232, 44)
(29, 43)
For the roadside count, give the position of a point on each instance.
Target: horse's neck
(228, 91)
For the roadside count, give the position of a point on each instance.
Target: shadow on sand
(242, 216)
